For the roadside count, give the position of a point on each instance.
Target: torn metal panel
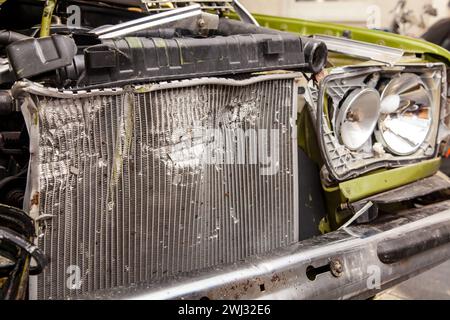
(423, 187)
(142, 184)
(358, 49)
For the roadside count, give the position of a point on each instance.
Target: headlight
(358, 117)
(406, 114)
(379, 117)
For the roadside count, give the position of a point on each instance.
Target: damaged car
(191, 150)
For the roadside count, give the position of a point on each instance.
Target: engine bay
(199, 41)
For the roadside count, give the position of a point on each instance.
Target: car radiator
(139, 184)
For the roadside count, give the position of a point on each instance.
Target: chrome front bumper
(341, 265)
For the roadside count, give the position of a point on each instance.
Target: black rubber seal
(394, 250)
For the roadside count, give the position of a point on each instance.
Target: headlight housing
(379, 117)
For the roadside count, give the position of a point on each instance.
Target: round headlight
(358, 117)
(406, 114)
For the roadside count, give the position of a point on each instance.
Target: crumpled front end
(145, 183)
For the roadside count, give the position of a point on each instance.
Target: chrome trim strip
(360, 49)
(151, 21)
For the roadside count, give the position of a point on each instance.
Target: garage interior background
(365, 13)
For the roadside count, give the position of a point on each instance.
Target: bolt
(201, 23)
(337, 268)
(353, 117)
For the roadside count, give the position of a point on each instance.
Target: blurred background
(414, 17)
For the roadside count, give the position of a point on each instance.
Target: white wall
(443, 9)
(272, 7)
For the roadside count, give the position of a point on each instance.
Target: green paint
(306, 27)
(307, 138)
(370, 185)
(373, 184)
(134, 42)
(47, 18)
(160, 43)
(143, 89)
(324, 226)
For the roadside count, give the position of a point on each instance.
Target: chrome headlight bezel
(344, 164)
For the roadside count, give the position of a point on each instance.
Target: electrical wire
(47, 17)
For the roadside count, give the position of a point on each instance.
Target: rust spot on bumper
(35, 199)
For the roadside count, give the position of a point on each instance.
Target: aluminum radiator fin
(126, 196)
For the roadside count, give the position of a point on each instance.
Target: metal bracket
(190, 17)
(357, 215)
(359, 49)
(235, 5)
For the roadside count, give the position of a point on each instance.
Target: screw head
(201, 23)
(337, 268)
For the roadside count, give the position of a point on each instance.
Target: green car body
(430, 51)
(373, 183)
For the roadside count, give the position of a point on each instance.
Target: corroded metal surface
(283, 274)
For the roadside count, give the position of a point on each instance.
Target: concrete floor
(431, 285)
